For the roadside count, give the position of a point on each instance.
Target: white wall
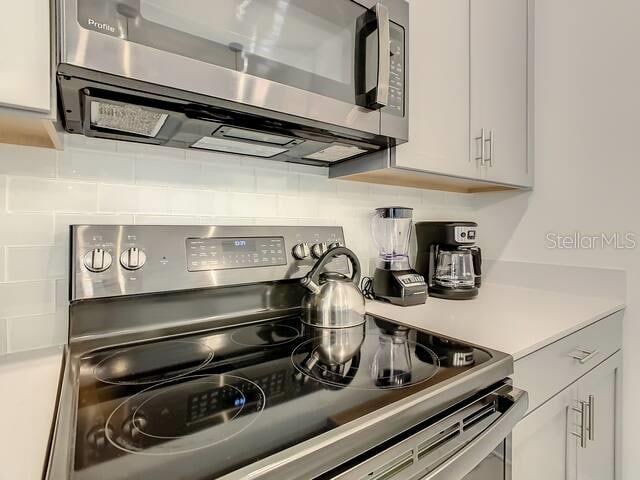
(43, 191)
(587, 101)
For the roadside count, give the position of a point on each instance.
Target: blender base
(399, 287)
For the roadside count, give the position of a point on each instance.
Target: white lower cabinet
(543, 447)
(573, 434)
(601, 390)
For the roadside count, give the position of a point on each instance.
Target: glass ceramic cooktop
(204, 405)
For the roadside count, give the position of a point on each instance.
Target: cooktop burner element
(395, 362)
(148, 364)
(158, 422)
(269, 385)
(265, 335)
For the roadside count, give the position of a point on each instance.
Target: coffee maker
(449, 259)
(394, 280)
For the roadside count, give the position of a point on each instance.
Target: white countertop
(29, 386)
(513, 320)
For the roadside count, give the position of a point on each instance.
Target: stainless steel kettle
(334, 300)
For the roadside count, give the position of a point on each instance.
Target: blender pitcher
(391, 230)
(394, 280)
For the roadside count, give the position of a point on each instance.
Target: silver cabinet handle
(483, 141)
(592, 417)
(582, 434)
(489, 159)
(584, 356)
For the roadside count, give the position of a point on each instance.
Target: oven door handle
(467, 458)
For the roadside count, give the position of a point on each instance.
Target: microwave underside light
(127, 118)
(242, 148)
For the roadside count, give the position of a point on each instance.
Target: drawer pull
(584, 356)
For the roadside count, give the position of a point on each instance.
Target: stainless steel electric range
(188, 359)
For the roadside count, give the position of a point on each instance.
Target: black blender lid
(395, 212)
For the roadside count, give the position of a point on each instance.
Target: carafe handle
(311, 280)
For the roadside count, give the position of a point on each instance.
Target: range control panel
(110, 260)
(239, 252)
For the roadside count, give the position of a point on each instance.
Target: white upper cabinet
(27, 89)
(469, 91)
(439, 89)
(498, 89)
(25, 55)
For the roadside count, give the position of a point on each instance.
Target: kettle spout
(310, 285)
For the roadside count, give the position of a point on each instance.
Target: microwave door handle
(375, 19)
(467, 458)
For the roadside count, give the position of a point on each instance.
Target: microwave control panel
(396, 105)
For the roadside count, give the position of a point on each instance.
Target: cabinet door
(499, 37)
(601, 387)
(25, 73)
(439, 89)
(543, 446)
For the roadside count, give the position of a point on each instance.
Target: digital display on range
(234, 245)
(225, 253)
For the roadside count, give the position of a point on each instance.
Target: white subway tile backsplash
(3, 192)
(277, 181)
(37, 195)
(228, 179)
(317, 185)
(166, 220)
(28, 161)
(26, 229)
(133, 199)
(106, 182)
(2, 264)
(160, 170)
(28, 333)
(3, 336)
(98, 166)
(89, 143)
(192, 202)
(26, 298)
(36, 263)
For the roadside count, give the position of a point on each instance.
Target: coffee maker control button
(301, 251)
(319, 249)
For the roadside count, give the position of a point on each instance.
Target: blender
(394, 280)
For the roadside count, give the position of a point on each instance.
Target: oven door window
(494, 467)
(305, 44)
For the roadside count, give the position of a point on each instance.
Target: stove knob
(97, 260)
(134, 432)
(334, 245)
(133, 259)
(97, 437)
(301, 251)
(319, 249)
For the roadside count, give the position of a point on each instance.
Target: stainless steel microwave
(306, 81)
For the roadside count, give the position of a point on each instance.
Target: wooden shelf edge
(428, 181)
(32, 132)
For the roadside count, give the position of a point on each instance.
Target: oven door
(473, 442)
(338, 62)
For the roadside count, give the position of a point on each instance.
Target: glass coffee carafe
(455, 269)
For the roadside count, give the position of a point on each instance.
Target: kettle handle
(313, 277)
